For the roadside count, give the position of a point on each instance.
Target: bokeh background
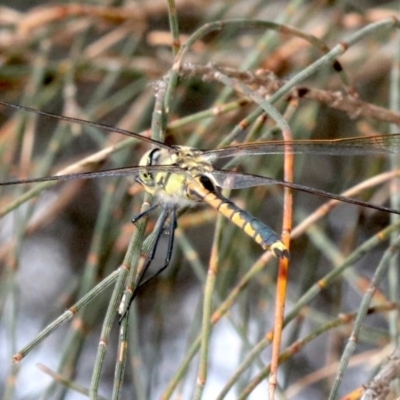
(107, 62)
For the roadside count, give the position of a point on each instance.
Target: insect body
(181, 176)
(198, 184)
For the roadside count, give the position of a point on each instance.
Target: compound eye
(153, 157)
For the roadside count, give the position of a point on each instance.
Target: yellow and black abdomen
(194, 183)
(252, 226)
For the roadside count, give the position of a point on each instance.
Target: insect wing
(237, 180)
(87, 123)
(125, 171)
(381, 144)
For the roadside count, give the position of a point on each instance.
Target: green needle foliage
(205, 75)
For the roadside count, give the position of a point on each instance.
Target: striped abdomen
(253, 227)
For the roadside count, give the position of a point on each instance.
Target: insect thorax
(170, 186)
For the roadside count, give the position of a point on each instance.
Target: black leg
(159, 228)
(171, 234)
(142, 214)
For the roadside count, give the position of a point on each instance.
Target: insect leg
(171, 235)
(142, 214)
(158, 230)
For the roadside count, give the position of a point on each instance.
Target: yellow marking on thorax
(170, 186)
(195, 184)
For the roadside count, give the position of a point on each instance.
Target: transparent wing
(381, 144)
(223, 179)
(125, 171)
(237, 180)
(88, 123)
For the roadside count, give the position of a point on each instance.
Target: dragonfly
(180, 176)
